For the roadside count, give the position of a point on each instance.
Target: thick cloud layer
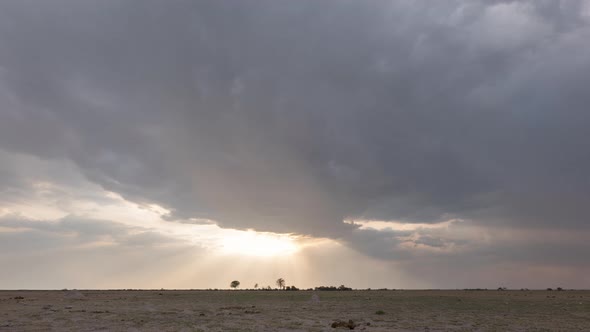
(291, 116)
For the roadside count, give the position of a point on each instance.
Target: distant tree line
(332, 288)
(506, 288)
(281, 285)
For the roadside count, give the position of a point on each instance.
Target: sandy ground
(90, 310)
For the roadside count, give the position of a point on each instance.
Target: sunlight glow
(251, 243)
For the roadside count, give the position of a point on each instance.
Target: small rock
(340, 323)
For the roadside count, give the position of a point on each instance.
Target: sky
(398, 144)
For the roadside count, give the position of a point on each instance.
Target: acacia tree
(234, 284)
(281, 283)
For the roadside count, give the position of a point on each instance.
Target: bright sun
(251, 243)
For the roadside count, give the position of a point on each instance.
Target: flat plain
(399, 310)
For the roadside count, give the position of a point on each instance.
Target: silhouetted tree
(281, 283)
(255, 286)
(234, 284)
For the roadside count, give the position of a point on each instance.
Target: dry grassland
(294, 311)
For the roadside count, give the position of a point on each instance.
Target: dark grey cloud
(292, 116)
(463, 244)
(33, 236)
(27, 180)
(466, 255)
(77, 252)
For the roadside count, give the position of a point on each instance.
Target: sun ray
(251, 243)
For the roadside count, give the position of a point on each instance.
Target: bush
(379, 312)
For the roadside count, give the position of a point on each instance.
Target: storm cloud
(293, 116)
